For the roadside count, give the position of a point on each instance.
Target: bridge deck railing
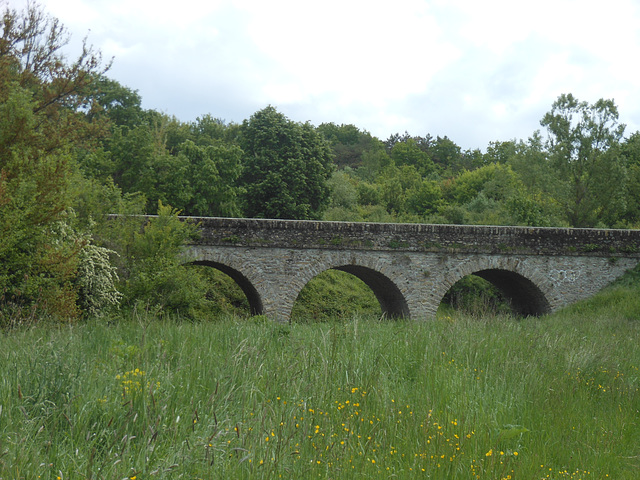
(416, 237)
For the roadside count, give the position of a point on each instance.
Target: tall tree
(120, 104)
(43, 119)
(409, 153)
(584, 147)
(446, 155)
(286, 167)
(631, 152)
(349, 143)
(213, 173)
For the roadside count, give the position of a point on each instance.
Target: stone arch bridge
(410, 267)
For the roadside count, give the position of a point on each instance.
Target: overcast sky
(473, 71)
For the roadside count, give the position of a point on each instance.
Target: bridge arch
(391, 299)
(527, 291)
(253, 297)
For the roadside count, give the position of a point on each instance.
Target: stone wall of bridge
(410, 283)
(410, 267)
(418, 237)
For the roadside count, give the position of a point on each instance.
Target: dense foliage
(286, 167)
(43, 123)
(76, 145)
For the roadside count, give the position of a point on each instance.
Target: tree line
(76, 145)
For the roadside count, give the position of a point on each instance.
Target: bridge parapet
(411, 237)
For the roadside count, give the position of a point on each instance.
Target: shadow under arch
(525, 297)
(253, 297)
(391, 300)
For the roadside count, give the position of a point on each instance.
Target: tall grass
(457, 397)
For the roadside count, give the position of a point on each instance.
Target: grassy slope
(553, 397)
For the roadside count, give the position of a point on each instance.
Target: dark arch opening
(255, 302)
(525, 297)
(522, 296)
(392, 302)
(349, 289)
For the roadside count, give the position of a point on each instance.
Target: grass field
(459, 397)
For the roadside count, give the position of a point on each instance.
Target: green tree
(631, 216)
(373, 161)
(584, 148)
(142, 162)
(121, 105)
(393, 183)
(286, 167)
(213, 172)
(349, 143)
(409, 153)
(43, 121)
(369, 193)
(495, 181)
(530, 161)
(425, 198)
(446, 155)
(501, 152)
(137, 163)
(630, 150)
(523, 209)
(207, 130)
(154, 277)
(189, 166)
(343, 189)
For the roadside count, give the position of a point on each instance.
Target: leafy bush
(335, 294)
(155, 277)
(96, 281)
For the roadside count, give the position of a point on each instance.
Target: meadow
(459, 397)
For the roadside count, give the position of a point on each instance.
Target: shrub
(155, 276)
(96, 281)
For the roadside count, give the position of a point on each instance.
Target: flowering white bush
(97, 280)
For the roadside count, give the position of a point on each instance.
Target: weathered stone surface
(410, 267)
(417, 237)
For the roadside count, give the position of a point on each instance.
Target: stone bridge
(410, 267)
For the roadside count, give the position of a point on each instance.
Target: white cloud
(475, 71)
(359, 52)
